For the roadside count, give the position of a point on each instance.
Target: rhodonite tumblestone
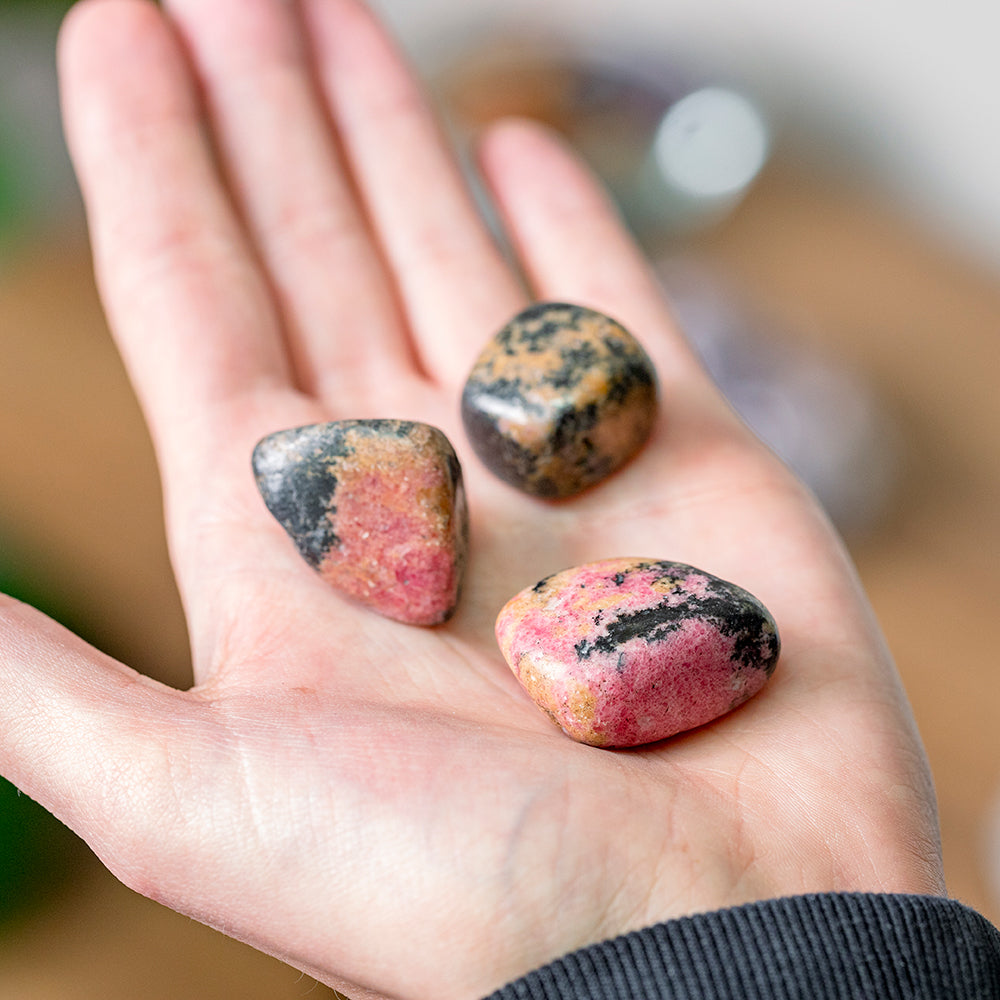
(559, 399)
(376, 507)
(630, 651)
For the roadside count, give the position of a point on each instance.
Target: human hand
(380, 805)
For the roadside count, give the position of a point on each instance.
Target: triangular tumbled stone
(376, 507)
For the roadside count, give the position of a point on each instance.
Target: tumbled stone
(376, 507)
(630, 651)
(559, 398)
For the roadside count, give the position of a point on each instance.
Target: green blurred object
(38, 854)
(43, 5)
(36, 185)
(16, 195)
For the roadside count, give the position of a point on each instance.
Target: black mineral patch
(509, 460)
(576, 359)
(736, 613)
(295, 474)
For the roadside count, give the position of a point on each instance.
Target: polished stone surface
(630, 651)
(559, 399)
(376, 507)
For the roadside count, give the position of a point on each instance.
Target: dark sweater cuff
(819, 947)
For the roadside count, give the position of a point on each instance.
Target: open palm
(281, 238)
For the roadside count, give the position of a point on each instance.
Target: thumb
(80, 733)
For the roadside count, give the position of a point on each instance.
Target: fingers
(574, 247)
(360, 212)
(189, 308)
(277, 147)
(79, 730)
(454, 285)
(192, 315)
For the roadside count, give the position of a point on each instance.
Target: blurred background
(818, 188)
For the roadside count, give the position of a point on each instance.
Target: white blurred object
(707, 150)
(711, 143)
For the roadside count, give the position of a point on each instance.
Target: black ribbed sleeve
(818, 947)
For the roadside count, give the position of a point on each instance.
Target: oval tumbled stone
(559, 399)
(630, 651)
(377, 507)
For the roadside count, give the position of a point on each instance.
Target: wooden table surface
(79, 505)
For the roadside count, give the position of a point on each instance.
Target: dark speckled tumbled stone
(630, 651)
(559, 399)
(376, 507)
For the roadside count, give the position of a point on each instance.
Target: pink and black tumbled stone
(558, 399)
(376, 507)
(631, 651)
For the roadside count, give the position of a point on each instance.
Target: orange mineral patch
(559, 399)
